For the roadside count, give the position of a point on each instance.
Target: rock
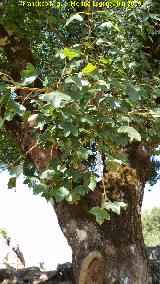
(154, 264)
(5, 274)
(33, 275)
(153, 252)
(10, 254)
(66, 271)
(154, 271)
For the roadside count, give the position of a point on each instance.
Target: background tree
(151, 226)
(80, 92)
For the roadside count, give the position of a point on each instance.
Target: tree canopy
(90, 88)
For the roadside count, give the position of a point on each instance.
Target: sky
(31, 221)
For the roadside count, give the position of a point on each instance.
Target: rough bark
(113, 252)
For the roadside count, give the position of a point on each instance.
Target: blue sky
(32, 222)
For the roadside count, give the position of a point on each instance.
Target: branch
(39, 156)
(19, 54)
(21, 157)
(54, 30)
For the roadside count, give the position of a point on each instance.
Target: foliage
(9, 150)
(151, 226)
(155, 167)
(102, 88)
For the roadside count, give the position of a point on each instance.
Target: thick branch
(39, 156)
(19, 54)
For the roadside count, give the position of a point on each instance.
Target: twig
(26, 97)
(6, 75)
(33, 89)
(104, 196)
(19, 158)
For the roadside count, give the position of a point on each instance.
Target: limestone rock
(10, 254)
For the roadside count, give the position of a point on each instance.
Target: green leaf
(89, 68)
(60, 193)
(107, 25)
(155, 112)
(18, 170)
(78, 81)
(133, 93)
(32, 117)
(100, 41)
(70, 198)
(104, 132)
(12, 182)
(114, 206)
(104, 85)
(27, 81)
(48, 174)
(40, 188)
(105, 61)
(114, 161)
(74, 131)
(100, 213)
(45, 82)
(29, 71)
(15, 107)
(9, 115)
(20, 109)
(87, 120)
(55, 98)
(76, 17)
(68, 127)
(83, 153)
(28, 75)
(73, 197)
(92, 183)
(69, 52)
(132, 132)
(80, 190)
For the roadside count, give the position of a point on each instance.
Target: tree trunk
(113, 252)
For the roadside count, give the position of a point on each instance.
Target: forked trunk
(113, 252)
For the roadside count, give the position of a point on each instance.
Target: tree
(151, 226)
(80, 97)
